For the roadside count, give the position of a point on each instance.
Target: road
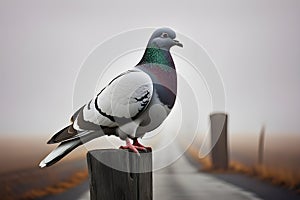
(182, 181)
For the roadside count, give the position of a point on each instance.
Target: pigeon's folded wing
(126, 96)
(121, 101)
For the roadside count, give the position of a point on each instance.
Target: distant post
(116, 174)
(219, 152)
(261, 145)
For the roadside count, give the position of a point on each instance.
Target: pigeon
(132, 104)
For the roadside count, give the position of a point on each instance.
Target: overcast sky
(254, 44)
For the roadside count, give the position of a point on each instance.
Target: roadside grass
(276, 176)
(33, 183)
(57, 188)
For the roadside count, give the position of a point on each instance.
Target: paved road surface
(182, 181)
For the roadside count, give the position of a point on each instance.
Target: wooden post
(116, 174)
(261, 145)
(219, 152)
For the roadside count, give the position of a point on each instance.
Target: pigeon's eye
(164, 35)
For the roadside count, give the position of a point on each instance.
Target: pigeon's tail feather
(62, 150)
(65, 134)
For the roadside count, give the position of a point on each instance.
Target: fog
(255, 46)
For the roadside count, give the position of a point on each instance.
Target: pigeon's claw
(135, 146)
(130, 147)
(142, 147)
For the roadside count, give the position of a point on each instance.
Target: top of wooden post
(123, 160)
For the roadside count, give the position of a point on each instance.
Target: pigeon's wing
(121, 101)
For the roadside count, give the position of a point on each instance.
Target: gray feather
(62, 150)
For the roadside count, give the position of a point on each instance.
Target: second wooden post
(219, 152)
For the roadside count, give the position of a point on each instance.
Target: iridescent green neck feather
(157, 56)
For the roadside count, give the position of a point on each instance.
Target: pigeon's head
(163, 38)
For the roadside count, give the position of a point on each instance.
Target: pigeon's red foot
(135, 146)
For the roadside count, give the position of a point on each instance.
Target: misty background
(255, 45)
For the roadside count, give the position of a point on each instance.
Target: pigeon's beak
(176, 42)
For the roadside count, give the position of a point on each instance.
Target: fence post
(261, 145)
(219, 152)
(116, 174)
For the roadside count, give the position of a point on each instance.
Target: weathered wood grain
(116, 174)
